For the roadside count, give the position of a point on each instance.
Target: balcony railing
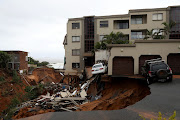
(137, 36)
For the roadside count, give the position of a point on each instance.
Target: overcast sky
(39, 26)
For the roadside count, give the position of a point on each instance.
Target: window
(101, 37)
(75, 52)
(136, 21)
(158, 16)
(103, 23)
(158, 31)
(26, 58)
(156, 67)
(137, 35)
(175, 16)
(121, 24)
(75, 65)
(125, 37)
(75, 25)
(75, 38)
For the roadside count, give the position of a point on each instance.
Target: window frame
(76, 52)
(75, 37)
(157, 30)
(78, 27)
(157, 16)
(136, 21)
(101, 37)
(138, 33)
(77, 65)
(104, 25)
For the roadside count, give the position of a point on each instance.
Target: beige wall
(110, 28)
(162, 49)
(72, 45)
(149, 25)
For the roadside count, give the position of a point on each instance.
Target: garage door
(142, 59)
(123, 66)
(173, 61)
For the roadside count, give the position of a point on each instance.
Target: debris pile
(59, 97)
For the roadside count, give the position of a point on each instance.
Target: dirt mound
(9, 90)
(26, 112)
(44, 75)
(117, 95)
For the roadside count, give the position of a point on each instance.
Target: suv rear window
(156, 67)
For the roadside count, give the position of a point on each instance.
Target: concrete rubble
(64, 97)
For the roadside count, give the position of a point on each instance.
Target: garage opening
(123, 66)
(173, 60)
(142, 59)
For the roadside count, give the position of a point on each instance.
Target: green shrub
(161, 118)
(11, 108)
(14, 102)
(2, 78)
(16, 78)
(31, 93)
(4, 59)
(4, 93)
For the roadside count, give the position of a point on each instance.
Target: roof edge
(158, 41)
(121, 45)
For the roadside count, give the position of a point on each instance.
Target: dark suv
(156, 69)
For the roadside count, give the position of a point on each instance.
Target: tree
(155, 35)
(33, 61)
(44, 63)
(4, 59)
(36, 62)
(149, 34)
(112, 38)
(167, 27)
(115, 38)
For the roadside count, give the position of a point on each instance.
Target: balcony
(138, 19)
(133, 37)
(121, 24)
(136, 35)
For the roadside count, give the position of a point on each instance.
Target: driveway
(164, 98)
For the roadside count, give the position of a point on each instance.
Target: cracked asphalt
(164, 98)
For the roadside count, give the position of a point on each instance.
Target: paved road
(164, 97)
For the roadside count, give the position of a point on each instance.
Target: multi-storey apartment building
(83, 33)
(19, 60)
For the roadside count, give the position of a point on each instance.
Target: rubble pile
(59, 97)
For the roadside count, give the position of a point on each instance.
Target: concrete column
(136, 65)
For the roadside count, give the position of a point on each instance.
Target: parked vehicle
(99, 68)
(156, 70)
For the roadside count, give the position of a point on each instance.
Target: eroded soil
(117, 95)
